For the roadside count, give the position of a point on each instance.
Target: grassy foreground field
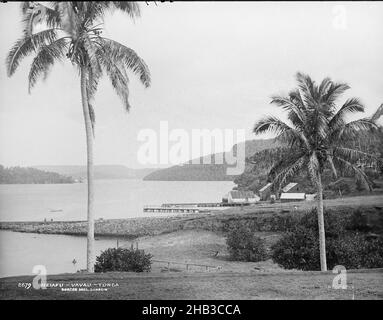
(254, 285)
(200, 239)
(235, 279)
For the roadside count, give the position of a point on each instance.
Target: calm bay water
(113, 198)
(19, 252)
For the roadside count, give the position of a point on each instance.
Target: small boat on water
(55, 210)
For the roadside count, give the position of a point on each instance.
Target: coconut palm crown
(317, 135)
(72, 30)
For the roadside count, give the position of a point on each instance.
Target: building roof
(236, 194)
(289, 186)
(293, 196)
(265, 187)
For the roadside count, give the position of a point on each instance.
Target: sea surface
(113, 198)
(20, 252)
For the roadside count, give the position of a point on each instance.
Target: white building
(286, 197)
(311, 197)
(236, 196)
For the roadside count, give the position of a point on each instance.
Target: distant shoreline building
(236, 196)
(291, 197)
(291, 193)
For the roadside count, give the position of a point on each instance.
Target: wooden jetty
(173, 209)
(204, 204)
(190, 207)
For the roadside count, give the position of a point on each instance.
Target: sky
(214, 65)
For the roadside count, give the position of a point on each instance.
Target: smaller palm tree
(317, 136)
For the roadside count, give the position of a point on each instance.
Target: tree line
(20, 175)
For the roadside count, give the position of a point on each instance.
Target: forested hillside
(209, 172)
(20, 175)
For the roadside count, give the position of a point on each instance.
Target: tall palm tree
(317, 135)
(72, 30)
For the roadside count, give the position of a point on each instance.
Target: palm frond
(296, 114)
(324, 86)
(334, 91)
(94, 75)
(271, 124)
(377, 114)
(352, 105)
(44, 60)
(35, 13)
(307, 89)
(26, 45)
(69, 20)
(96, 10)
(117, 77)
(130, 7)
(284, 171)
(353, 154)
(124, 55)
(358, 172)
(357, 128)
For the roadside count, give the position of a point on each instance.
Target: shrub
(299, 248)
(358, 222)
(244, 245)
(334, 223)
(119, 259)
(373, 254)
(347, 251)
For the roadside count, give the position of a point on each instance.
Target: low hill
(20, 175)
(191, 171)
(100, 171)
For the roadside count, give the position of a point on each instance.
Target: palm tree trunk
(322, 236)
(90, 258)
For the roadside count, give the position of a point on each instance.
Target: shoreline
(127, 228)
(269, 217)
